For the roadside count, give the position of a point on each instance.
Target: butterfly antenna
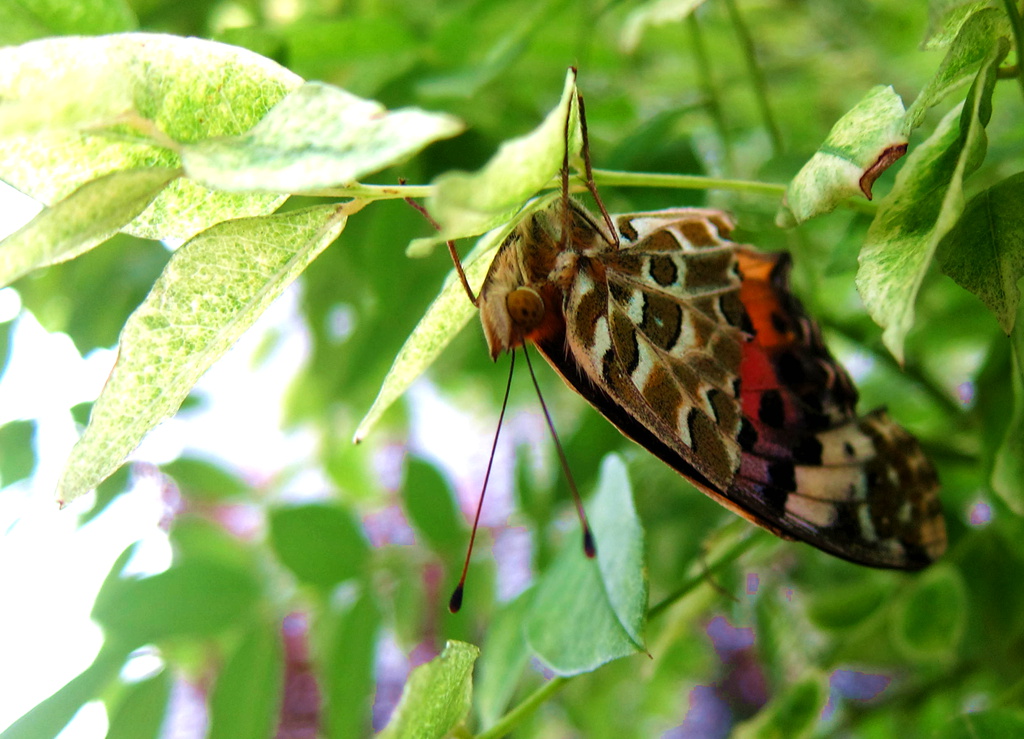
(589, 548)
(451, 247)
(589, 171)
(455, 602)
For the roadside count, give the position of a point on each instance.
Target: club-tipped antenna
(455, 602)
(589, 548)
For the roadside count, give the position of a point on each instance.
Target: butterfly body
(694, 347)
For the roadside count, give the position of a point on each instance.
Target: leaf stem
(371, 192)
(685, 182)
(756, 75)
(730, 555)
(1018, 33)
(532, 702)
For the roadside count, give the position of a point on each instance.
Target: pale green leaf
(88, 217)
(246, 698)
(450, 311)
(945, 19)
(47, 719)
(78, 108)
(212, 290)
(346, 664)
(316, 137)
(976, 35)
(925, 203)
(984, 253)
(652, 14)
(467, 204)
(24, 20)
(860, 147)
(141, 708)
(585, 613)
(437, 696)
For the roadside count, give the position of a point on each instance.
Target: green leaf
(978, 33)
(322, 545)
(212, 290)
(924, 205)
(1008, 469)
(847, 605)
(930, 615)
(47, 719)
(997, 723)
(984, 252)
(791, 714)
(859, 148)
(204, 481)
(946, 18)
(349, 669)
(6, 328)
(195, 598)
(437, 696)
(75, 109)
(503, 659)
(450, 311)
(318, 136)
(23, 20)
(467, 204)
(141, 708)
(18, 458)
(652, 14)
(585, 613)
(247, 695)
(430, 505)
(88, 217)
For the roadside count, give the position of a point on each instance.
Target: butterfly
(695, 348)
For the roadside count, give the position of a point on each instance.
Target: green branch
(511, 719)
(1018, 34)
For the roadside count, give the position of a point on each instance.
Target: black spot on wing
(771, 410)
(807, 451)
(782, 474)
(747, 437)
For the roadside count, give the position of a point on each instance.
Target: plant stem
(708, 88)
(371, 192)
(1018, 34)
(727, 557)
(756, 75)
(685, 182)
(511, 719)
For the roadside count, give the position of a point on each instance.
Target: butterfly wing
(860, 488)
(695, 348)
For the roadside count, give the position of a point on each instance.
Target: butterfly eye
(525, 307)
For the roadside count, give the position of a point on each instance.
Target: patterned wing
(859, 488)
(695, 348)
